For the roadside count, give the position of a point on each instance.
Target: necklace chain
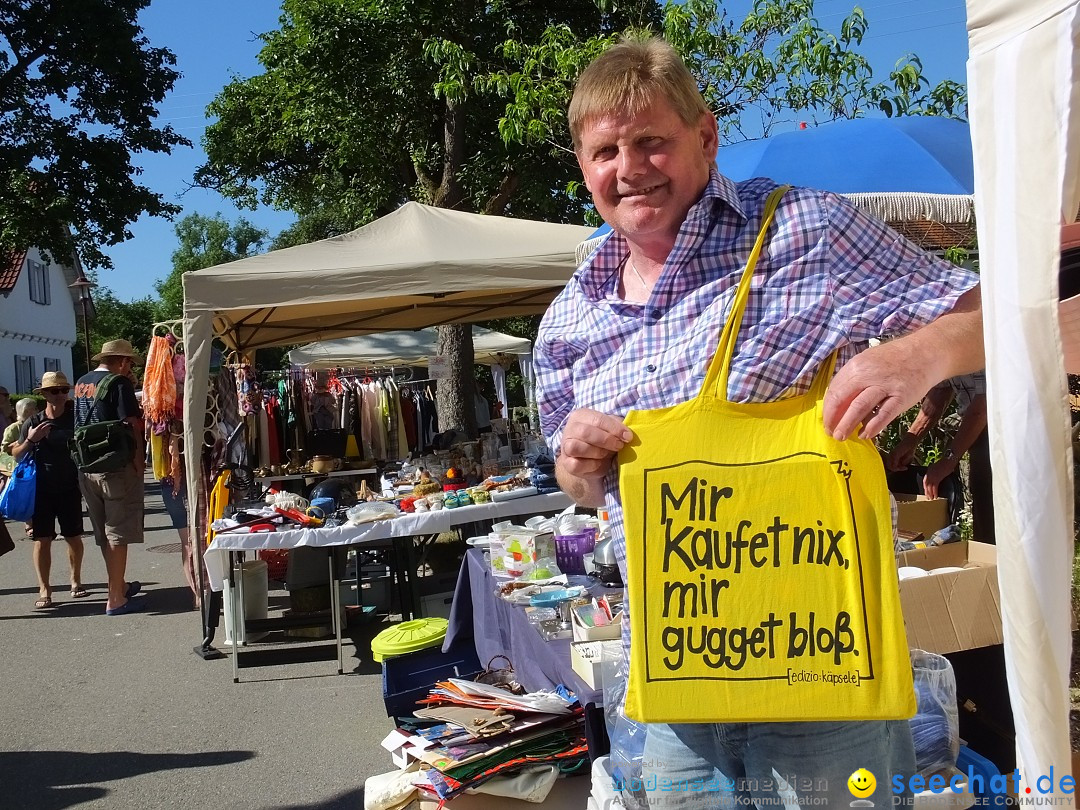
(644, 284)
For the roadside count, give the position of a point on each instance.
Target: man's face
(646, 171)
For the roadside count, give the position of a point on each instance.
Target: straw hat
(118, 348)
(53, 379)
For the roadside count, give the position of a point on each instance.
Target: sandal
(78, 592)
(43, 602)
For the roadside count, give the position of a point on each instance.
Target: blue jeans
(175, 505)
(733, 765)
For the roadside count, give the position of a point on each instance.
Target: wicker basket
(277, 562)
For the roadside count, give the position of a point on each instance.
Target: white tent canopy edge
(1025, 125)
(413, 348)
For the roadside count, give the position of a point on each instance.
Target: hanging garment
(401, 448)
(376, 423)
(159, 383)
(273, 435)
(228, 408)
(767, 548)
(159, 455)
(323, 411)
(248, 393)
(407, 408)
(393, 449)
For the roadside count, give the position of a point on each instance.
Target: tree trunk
(454, 397)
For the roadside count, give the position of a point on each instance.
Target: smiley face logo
(861, 783)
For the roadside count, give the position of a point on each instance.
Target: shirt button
(650, 368)
(655, 314)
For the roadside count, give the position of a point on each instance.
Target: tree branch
(450, 194)
(497, 202)
(20, 67)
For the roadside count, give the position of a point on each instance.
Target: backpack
(101, 447)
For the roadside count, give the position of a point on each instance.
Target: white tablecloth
(441, 520)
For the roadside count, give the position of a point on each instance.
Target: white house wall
(40, 331)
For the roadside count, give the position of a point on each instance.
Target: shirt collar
(722, 189)
(598, 273)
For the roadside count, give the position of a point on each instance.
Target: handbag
(761, 579)
(102, 447)
(17, 501)
(502, 677)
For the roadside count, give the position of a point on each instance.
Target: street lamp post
(83, 285)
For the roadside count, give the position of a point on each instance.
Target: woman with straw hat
(57, 497)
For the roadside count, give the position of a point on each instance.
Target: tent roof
(401, 349)
(419, 266)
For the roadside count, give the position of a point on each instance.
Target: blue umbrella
(917, 154)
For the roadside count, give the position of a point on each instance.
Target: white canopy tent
(402, 349)
(417, 267)
(1023, 73)
(493, 349)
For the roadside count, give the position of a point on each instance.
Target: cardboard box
(917, 513)
(585, 658)
(960, 610)
(437, 604)
(604, 633)
(566, 794)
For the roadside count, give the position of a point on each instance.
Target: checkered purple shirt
(830, 277)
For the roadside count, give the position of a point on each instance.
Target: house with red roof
(39, 316)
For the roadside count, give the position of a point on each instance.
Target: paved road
(118, 712)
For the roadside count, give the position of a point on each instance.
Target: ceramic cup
(325, 464)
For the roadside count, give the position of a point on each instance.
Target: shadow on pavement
(349, 800)
(54, 780)
(361, 636)
(12, 591)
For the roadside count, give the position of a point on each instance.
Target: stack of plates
(513, 493)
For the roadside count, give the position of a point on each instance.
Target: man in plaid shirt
(636, 326)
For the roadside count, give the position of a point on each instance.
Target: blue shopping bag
(17, 502)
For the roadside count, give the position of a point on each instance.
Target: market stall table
(220, 555)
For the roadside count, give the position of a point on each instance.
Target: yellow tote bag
(759, 557)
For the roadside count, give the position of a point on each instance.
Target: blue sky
(214, 41)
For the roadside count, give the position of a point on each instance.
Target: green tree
(364, 104)
(204, 242)
(79, 90)
(115, 319)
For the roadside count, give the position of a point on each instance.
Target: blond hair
(628, 77)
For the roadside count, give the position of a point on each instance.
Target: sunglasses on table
(55, 390)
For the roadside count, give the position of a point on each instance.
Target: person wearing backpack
(107, 448)
(56, 484)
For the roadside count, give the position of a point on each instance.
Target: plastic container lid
(407, 637)
(554, 597)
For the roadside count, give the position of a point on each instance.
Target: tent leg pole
(211, 613)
